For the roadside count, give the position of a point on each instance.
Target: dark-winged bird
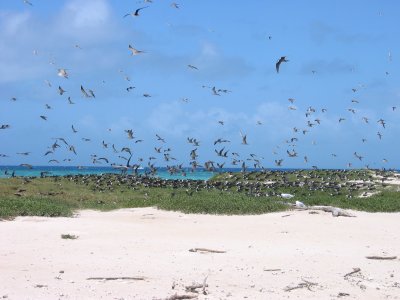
(281, 60)
(135, 13)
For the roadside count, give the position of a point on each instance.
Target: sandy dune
(265, 255)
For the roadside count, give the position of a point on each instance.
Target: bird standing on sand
(281, 60)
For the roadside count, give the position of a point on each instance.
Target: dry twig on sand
(116, 278)
(305, 284)
(336, 211)
(181, 297)
(343, 295)
(206, 250)
(192, 288)
(382, 257)
(355, 270)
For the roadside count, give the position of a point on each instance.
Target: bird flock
(125, 157)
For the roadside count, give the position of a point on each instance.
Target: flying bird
(130, 133)
(281, 60)
(214, 90)
(84, 92)
(244, 138)
(62, 73)
(382, 122)
(23, 153)
(61, 90)
(92, 94)
(135, 51)
(160, 138)
(136, 12)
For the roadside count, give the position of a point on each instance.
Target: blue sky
(332, 48)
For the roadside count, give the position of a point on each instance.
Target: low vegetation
(235, 193)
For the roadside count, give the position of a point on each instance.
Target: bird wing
(277, 65)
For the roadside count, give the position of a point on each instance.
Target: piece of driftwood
(382, 257)
(305, 284)
(181, 297)
(272, 270)
(206, 250)
(205, 285)
(343, 295)
(355, 270)
(192, 288)
(336, 211)
(116, 278)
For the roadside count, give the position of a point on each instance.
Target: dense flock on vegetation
(225, 193)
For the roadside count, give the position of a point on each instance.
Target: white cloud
(13, 22)
(86, 23)
(84, 18)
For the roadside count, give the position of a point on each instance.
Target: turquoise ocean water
(7, 171)
(199, 174)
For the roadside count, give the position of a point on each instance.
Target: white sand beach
(286, 255)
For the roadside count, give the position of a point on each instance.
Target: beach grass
(61, 196)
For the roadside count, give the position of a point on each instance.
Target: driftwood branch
(205, 285)
(192, 288)
(355, 270)
(382, 257)
(115, 278)
(305, 284)
(181, 297)
(206, 250)
(336, 211)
